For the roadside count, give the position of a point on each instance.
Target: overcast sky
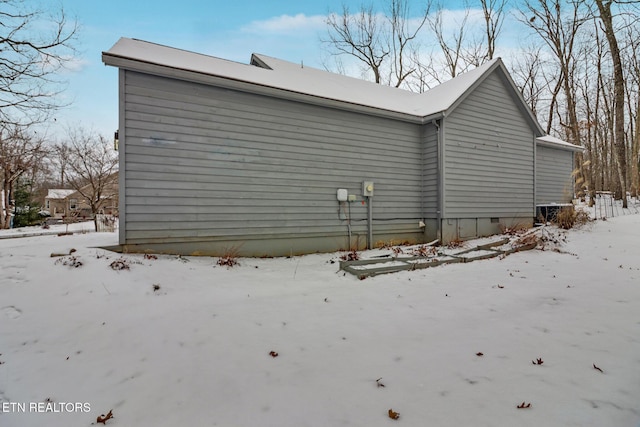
(286, 29)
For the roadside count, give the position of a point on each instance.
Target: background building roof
(58, 193)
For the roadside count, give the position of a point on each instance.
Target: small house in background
(276, 158)
(58, 203)
(62, 203)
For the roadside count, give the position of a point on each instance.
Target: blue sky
(229, 29)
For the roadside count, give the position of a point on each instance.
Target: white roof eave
(275, 77)
(557, 143)
(239, 82)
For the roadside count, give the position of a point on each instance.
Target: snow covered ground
(182, 342)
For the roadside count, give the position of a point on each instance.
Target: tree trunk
(618, 82)
(5, 205)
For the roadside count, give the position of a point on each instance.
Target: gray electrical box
(367, 188)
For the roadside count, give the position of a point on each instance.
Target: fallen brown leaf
(103, 418)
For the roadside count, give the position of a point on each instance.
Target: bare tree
(606, 18)
(460, 48)
(34, 46)
(528, 71)
(559, 23)
(403, 36)
(493, 11)
(20, 153)
(59, 162)
(633, 41)
(572, 78)
(382, 43)
(359, 36)
(559, 29)
(450, 45)
(92, 168)
(589, 85)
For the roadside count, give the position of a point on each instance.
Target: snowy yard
(182, 342)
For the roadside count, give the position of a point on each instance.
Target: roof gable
(463, 85)
(446, 96)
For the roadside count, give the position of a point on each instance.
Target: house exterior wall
(488, 163)
(208, 169)
(73, 204)
(554, 183)
(430, 172)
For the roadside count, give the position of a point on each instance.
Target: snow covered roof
(59, 193)
(273, 73)
(553, 142)
(357, 91)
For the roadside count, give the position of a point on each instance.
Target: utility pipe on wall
(369, 223)
(367, 192)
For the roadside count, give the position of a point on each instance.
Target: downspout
(535, 178)
(349, 227)
(423, 156)
(573, 178)
(438, 181)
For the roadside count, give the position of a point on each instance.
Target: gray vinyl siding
(210, 163)
(430, 170)
(554, 183)
(489, 152)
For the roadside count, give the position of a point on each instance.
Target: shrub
(568, 218)
(424, 251)
(71, 261)
(527, 239)
(120, 264)
(455, 243)
(582, 217)
(229, 257)
(513, 229)
(352, 255)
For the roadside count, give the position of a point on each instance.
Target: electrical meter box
(367, 188)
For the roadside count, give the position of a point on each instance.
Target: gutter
(563, 147)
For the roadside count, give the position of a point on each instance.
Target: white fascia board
(557, 143)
